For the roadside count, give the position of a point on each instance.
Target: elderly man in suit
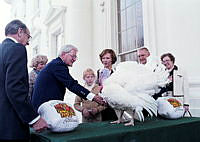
(145, 58)
(54, 78)
(16, 111)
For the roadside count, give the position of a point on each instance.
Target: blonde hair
(37, 60)
(88, 71)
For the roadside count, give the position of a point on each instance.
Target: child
(90, 109)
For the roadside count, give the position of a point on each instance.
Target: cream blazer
(181, 85)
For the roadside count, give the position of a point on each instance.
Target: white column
(78, 31)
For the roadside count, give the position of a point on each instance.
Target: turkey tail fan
(149, 103)
(139, 115)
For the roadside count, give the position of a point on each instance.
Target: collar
(172, 70)
(12, 39)
(175, 67)
(63, 61)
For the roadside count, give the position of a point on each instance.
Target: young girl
(90, 110)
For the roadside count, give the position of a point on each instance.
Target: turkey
(130, 89)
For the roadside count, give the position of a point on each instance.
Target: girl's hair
(88, 71)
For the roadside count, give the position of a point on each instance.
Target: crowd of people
(23, 93)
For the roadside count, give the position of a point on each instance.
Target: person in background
(178, 86)
(108, 58)
(37, 63)
(143, 54)
(54, 78)
(144, 57)
(17, 113)
(91, 111)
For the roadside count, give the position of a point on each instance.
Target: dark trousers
(108, 114)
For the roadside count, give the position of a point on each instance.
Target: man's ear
(148, 54)
(63, 54)
(20, 32)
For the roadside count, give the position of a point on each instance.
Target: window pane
(124, 41)
(130, 2)
(131, 20)
(140, 36)
(129, 57)
(139, 9)
(122, 4)
(123, 20)
(132, 38)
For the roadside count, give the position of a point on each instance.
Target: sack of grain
(59, 115)
(170, 107)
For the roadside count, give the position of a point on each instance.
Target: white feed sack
(169, 107)
(59, 115)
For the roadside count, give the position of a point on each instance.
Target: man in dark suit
(16, 111)
(55, 77)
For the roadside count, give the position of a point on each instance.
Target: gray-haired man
(53, 80)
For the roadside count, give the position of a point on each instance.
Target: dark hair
(111, 52)
(172, 58)
(13, 26)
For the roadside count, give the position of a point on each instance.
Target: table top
(101, 131)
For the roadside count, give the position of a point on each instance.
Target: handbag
(186, 113)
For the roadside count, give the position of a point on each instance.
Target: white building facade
(123, 25)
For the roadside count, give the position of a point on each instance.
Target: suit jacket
(52, 81)
(16, 110)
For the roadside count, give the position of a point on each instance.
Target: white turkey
(130, 88)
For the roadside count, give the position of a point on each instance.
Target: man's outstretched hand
(99, 100)
(40, 125)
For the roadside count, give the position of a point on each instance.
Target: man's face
(70, 57)
(24, 37)
(142, 55)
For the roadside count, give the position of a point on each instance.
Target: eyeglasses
(73, 56)
(29, 36)
(164, 61)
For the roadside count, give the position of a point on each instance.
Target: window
(58, 42)
(130, 28)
